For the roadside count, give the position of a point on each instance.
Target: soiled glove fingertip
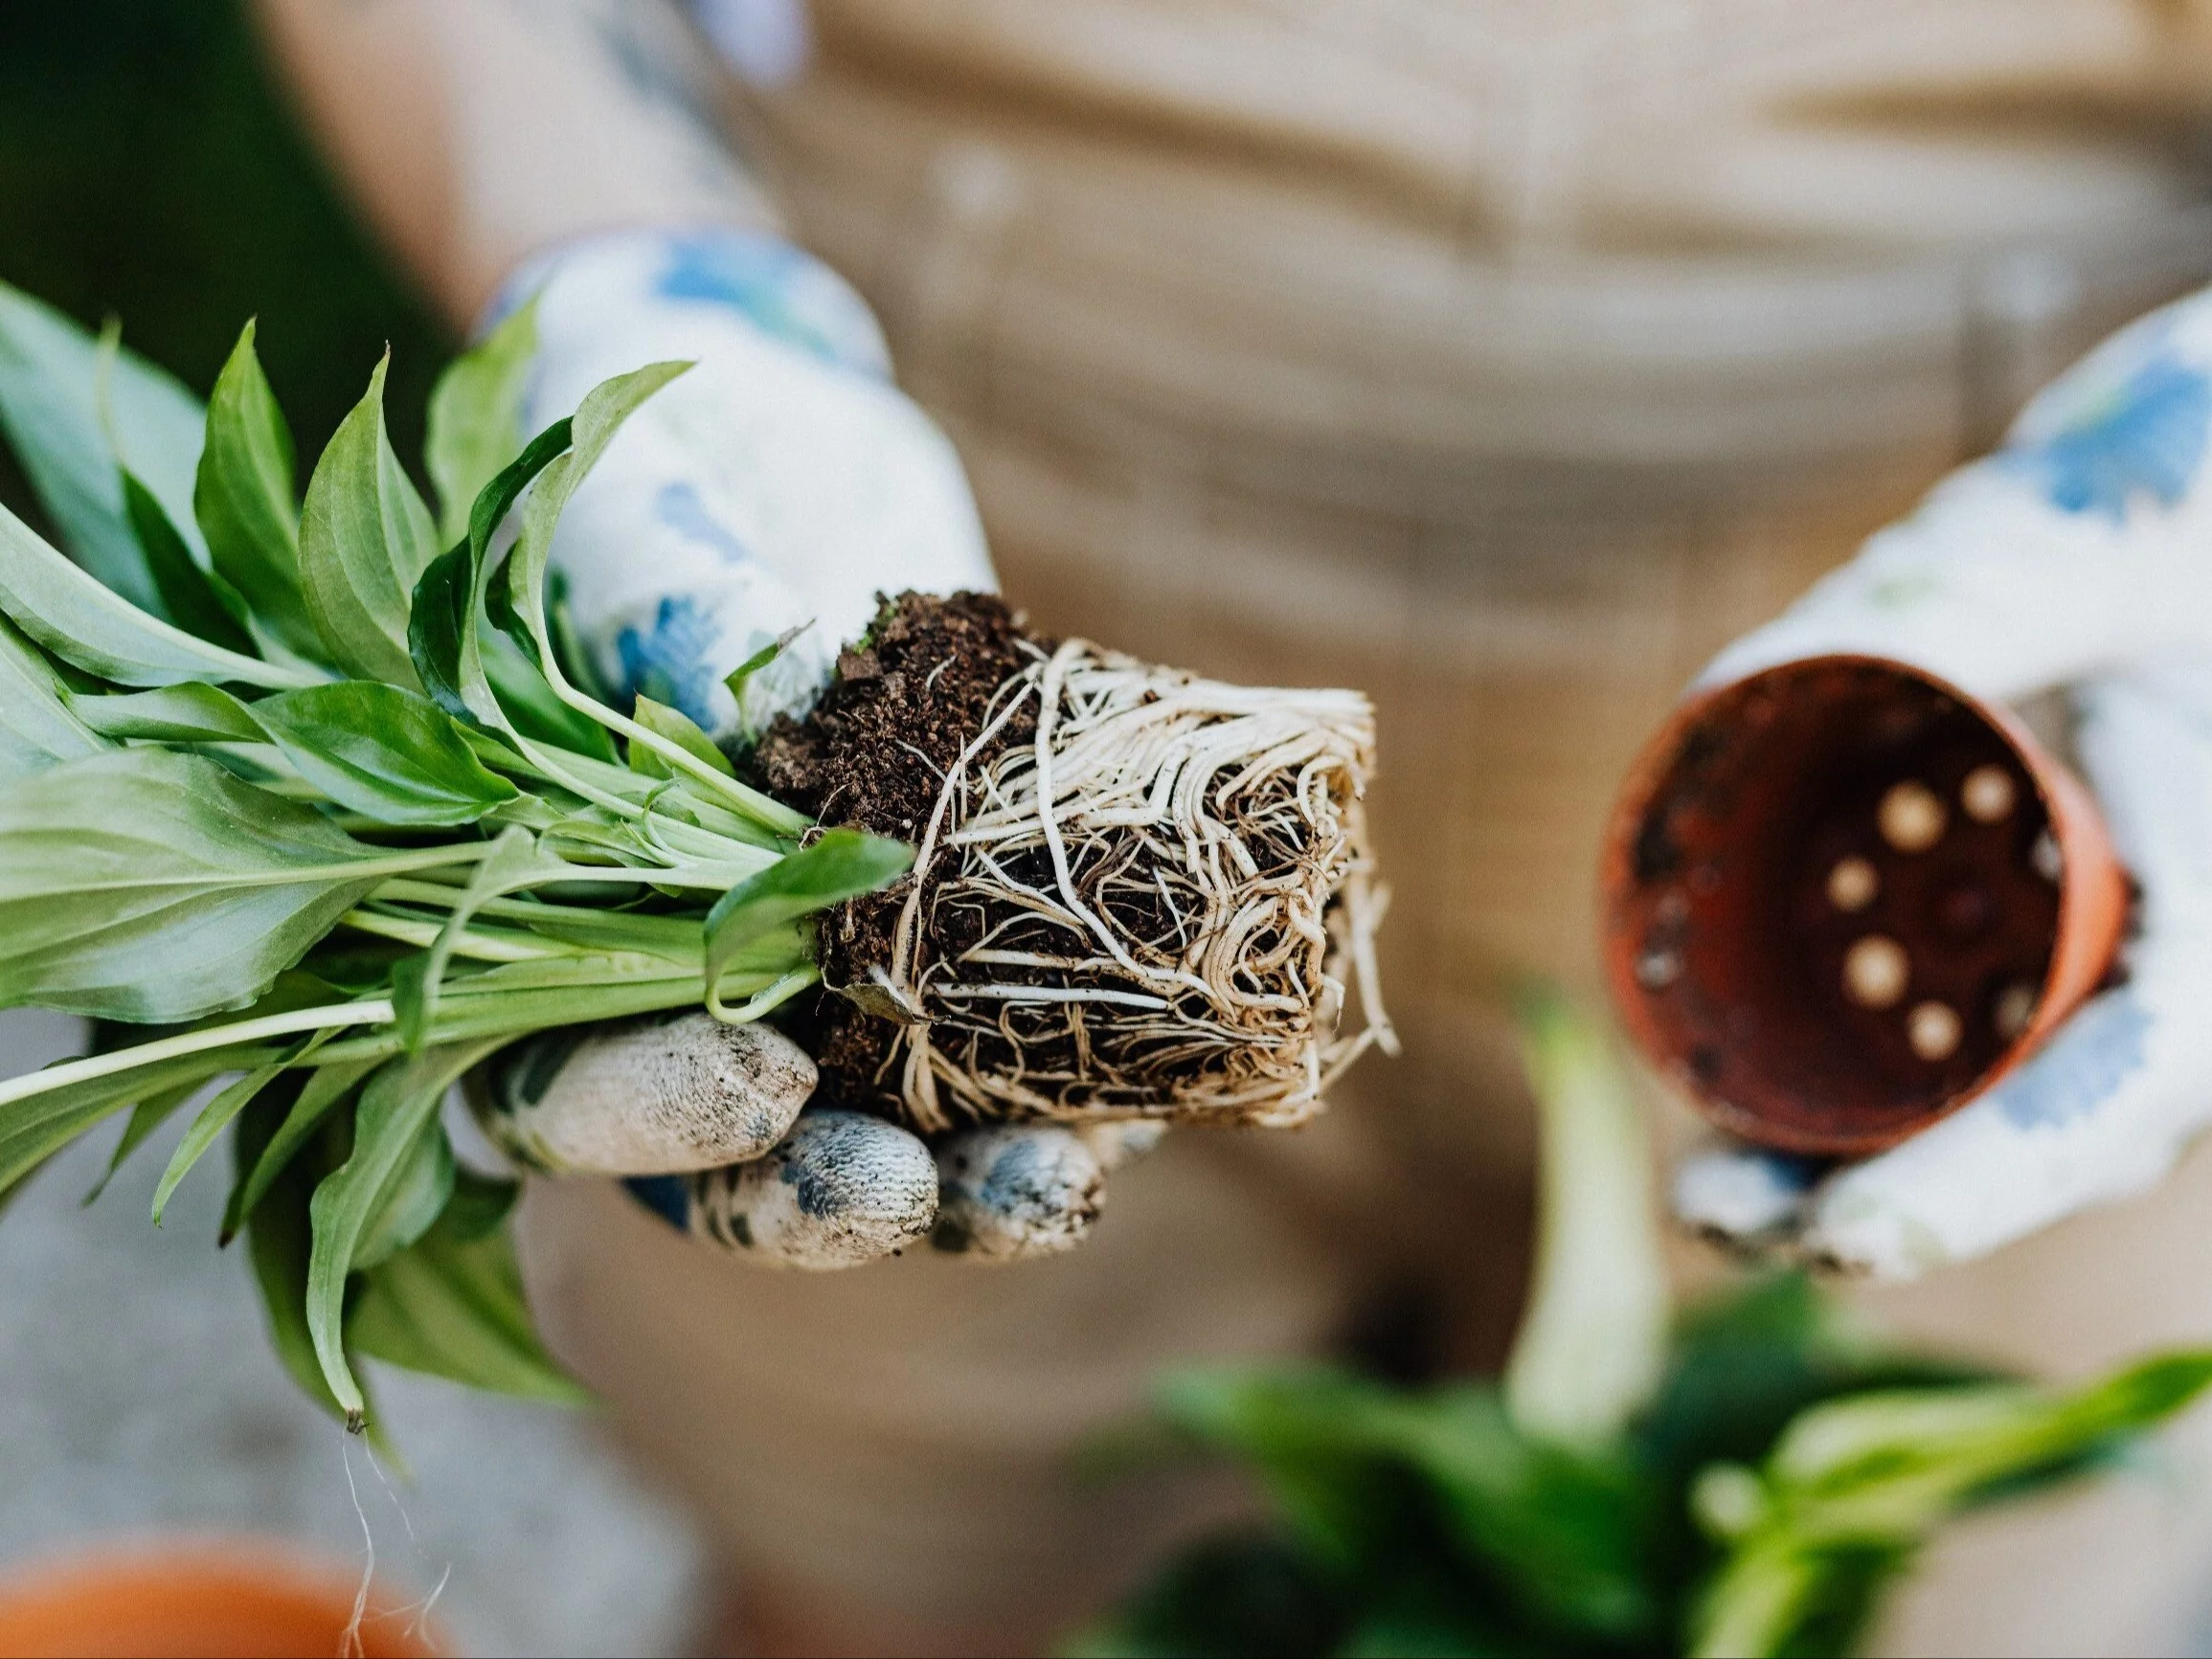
(841, 1189)
(647, 1097)
(1016, 1192)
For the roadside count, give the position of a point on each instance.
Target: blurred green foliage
(1748, 1477)
(152, 169)
(1784, 1476)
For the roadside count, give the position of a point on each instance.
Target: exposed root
(1146, 910)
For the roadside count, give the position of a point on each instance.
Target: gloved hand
(2078, 556)
(771, 492)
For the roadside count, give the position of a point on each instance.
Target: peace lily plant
(314, 795)
(1747, 1478)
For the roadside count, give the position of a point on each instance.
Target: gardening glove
(768, 495)
(2074, 558)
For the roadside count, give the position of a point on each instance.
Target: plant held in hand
(322, 791)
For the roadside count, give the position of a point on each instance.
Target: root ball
(1139, 893)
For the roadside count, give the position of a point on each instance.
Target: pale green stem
(476, 945)
(766, 809)
(777, 994)
(375, 1011)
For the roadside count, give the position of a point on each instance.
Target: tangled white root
(1132, 916)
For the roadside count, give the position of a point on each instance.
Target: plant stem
(505, 945)
(370, 1011)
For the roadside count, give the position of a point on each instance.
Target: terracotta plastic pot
(239, 1600)
(1843, 898)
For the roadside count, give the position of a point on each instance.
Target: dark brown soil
(918, 687)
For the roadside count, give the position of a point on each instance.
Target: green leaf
(1855, 1488)
(34, 1127)
(1592, 1343)
(480, 1206)
(384, 751)
(148, 885)
(415, 1199)
(242, 498)
(326, 1088)
(214, 1118)
(453, 1305)
(364, 541)
(736, 680)
(1556, 1531)
(475, 417)
(442, 626)
(147, 1116)
(1744, 1364)
(50, 405)
(189, 596)
(843, 865)
(37, 730)
(1302, 1431)
(527, 698)
(399, 1108)
(279, 1235)
(80, 621)
(679, 729)
(1560, 1527)
(189, 712)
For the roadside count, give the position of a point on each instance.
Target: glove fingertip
(1016, 1192)
(840, 1190)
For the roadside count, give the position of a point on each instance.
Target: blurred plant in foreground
(1748, 1478)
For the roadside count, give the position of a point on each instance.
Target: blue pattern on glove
(683, 510)
(2098, 1051)
(2144, 436)
(668, 1196)
(778, 288)
(668, 663)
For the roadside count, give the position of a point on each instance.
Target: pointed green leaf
(80, 621)
(190, 598)
(279, 1235)
(147, 1116)
(326, 1088)
(399, 1108)
(843, 865)
(381, 751)
(475, 419)
(190, 712)
(147, 884)
(679, 729)
(365, 540)
(598, 418)
(34, 1127)
(441, 628)
(453, 1305)
(242, 498)
(36, 727)
(50, 408)
(214, 1118)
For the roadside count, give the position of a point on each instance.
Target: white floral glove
(2078, 556)
(779, 486)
